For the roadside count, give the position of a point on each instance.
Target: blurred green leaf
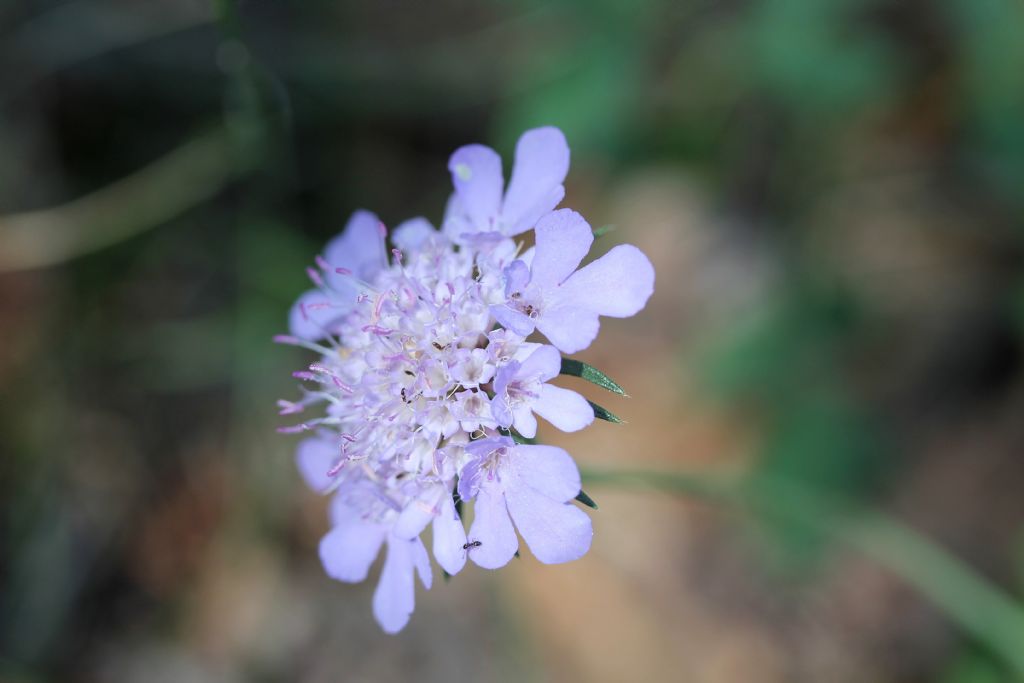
(974, 668)
(586, 93)
(818, 57)
(992, 55)
(788, 345)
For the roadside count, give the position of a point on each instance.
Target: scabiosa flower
(426, 387)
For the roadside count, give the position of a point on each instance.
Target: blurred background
(830, 190)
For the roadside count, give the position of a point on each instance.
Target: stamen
(317, 367)
(294, 429)
(289, 408)
(295, 341)
(320, 305)
(315, 277)
(341, 385)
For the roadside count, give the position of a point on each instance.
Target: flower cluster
(426, 386)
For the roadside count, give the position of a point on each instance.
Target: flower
(520, 391)
(531, 486)
(361, 524)
(417, 394)
(549, 294)
(359, 250)
(478, 207)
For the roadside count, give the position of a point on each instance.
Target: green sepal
(582, 370)
(602, 230)
(522, 440)
(586, 500)
(446, 575)
(602, 414)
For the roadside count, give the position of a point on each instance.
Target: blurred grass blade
(603, 414)
(185, 177)
(981, 608)
(603, 230)
(582, 370)
(72, 32)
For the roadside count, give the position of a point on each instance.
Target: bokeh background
(830, 190)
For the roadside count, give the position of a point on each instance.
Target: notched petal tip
(477, 176)
(555, 532)
(541, 164)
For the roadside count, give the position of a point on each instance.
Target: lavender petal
(563, 240)
(395, 597)
(493, 529)
(359, 248)
(348, 550)
(541, 164)
(476, 174)
(618, 284)
(314, 457)
(555, 532)
(549, 470)
(449, 538)
(563, 408)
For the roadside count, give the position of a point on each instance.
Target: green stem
(982, 609)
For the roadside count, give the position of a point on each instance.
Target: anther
(294, 429)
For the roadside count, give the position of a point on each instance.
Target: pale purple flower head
(424, 377)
